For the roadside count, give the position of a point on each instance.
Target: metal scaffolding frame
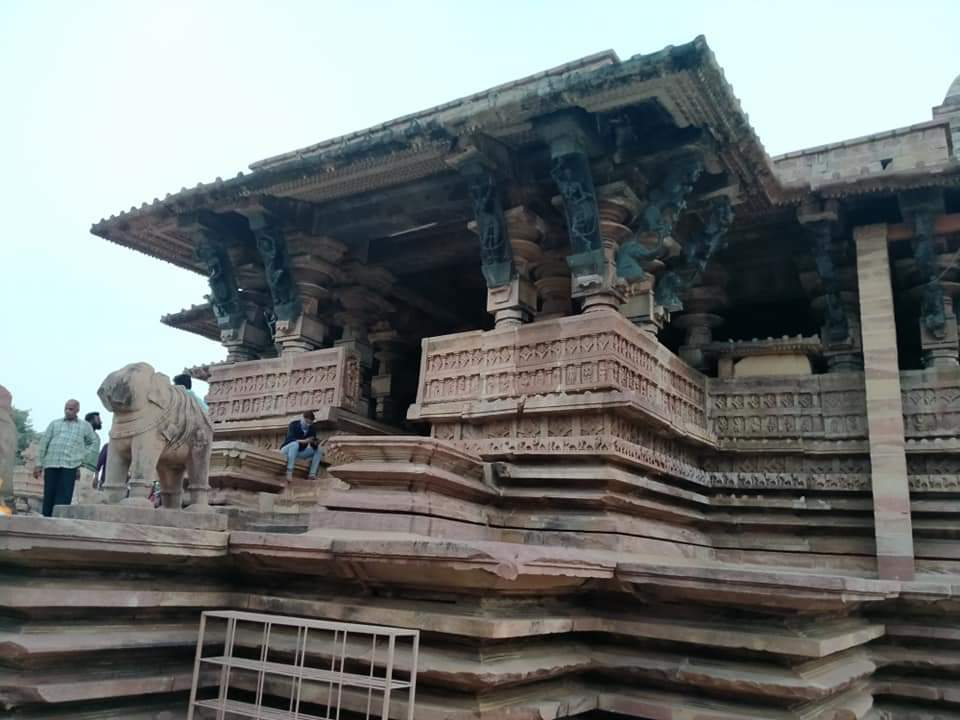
(357, 664)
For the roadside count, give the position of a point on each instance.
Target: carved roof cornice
(197, 319)
(686, 81)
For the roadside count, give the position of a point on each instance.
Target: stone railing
(581, 364)
(259, 390)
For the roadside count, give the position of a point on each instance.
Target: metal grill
(273, 667)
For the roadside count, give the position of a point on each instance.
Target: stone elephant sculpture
(159, 432)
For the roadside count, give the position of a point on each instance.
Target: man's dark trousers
(57, 487)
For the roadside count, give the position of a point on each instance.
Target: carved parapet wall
(931, 406)
(256, 398)
(568, 369)
(792, 414)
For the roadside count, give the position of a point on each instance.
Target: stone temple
(628, 418)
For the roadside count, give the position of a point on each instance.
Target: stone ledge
(144, 516)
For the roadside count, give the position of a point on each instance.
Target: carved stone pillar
(553, 284)
(701, 304)
(932, 279)
(388, 345)
(641, 308)
(834, 289)
(293, 330)
(940, 345)
(363, 308)
(241, 331)
(642, 258)
(593, 257)
(515, 302)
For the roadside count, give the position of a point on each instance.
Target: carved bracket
(698, 251)
(664, 206)
(496, 257)
(272, 246)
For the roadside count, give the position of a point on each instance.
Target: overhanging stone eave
(944, 175)
(197, 319)
(686, 80)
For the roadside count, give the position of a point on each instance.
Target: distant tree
(25, 432)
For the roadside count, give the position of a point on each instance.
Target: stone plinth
(181, 519)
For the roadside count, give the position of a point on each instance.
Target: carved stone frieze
(931, 403)
(285, 386)
(589, 435)
(814, 407)
(554, 367)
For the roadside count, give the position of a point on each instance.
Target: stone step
(27, 688)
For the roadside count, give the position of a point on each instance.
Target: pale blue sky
(109, 104)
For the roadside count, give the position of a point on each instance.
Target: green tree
(25, 432)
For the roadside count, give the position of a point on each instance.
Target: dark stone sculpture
(698, 252)
(571, 172)
(701, 248)
(821, 239)
(932, 314)
(496, 257)
(272, 246)
(668, 289)
(663, 209)
(224, 295)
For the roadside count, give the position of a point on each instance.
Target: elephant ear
(159, 392)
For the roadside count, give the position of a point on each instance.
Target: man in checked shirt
(63, 448)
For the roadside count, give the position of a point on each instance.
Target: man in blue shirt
(301, 443)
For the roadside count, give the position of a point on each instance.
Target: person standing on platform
(302, 444)
(64, 446)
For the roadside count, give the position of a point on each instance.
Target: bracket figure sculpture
(272, 246)
(932, 312)
(571, 173)
(224, 296)
(663, 209)
(496, 255)
(698, 252)
(821, 238)
(159, 432)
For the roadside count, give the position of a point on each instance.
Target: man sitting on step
(302, 444)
